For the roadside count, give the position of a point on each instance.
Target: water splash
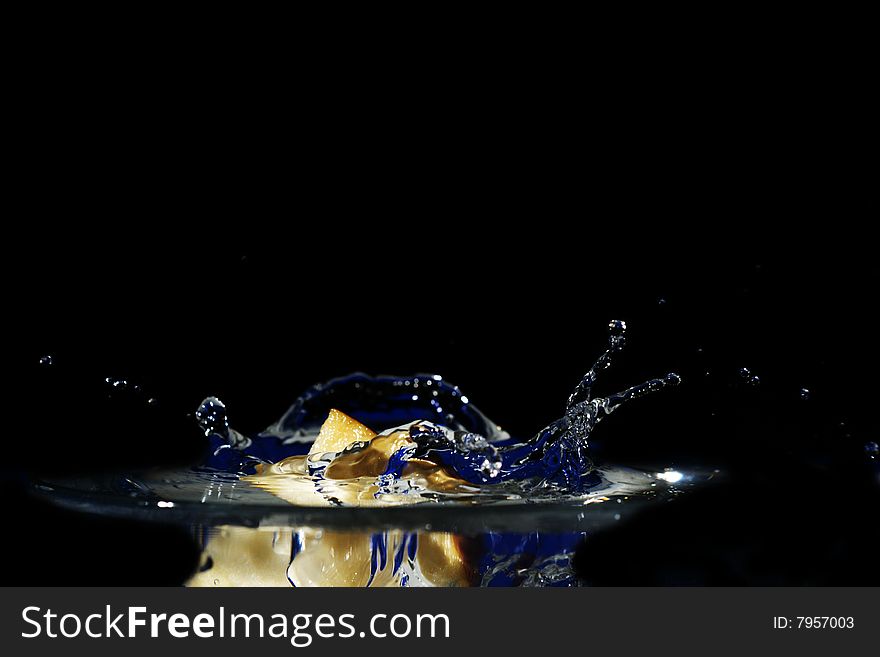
(383, 401)
(212, 419)
(211, 416)
(460, 448)
(559, 453)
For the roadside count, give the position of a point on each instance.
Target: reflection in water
(238, 556)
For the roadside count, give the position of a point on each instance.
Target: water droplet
(617, 341)
(617, 327)
(805, 394)
(46, 360)
(617, 516)
(152, 401)
(211, 416)
(216, 582)
(751, 379)
(872, 449)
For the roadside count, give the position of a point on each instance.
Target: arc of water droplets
(559, 452)
(616, 342)
(583, 391)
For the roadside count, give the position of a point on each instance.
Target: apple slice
(338, 432)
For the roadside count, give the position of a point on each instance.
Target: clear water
(432, 443)
(439, 496)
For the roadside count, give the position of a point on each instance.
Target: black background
(248, 250)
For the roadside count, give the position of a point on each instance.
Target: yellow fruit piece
(338, 432)
(370, 462)
(442, 561)
(241, 556)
